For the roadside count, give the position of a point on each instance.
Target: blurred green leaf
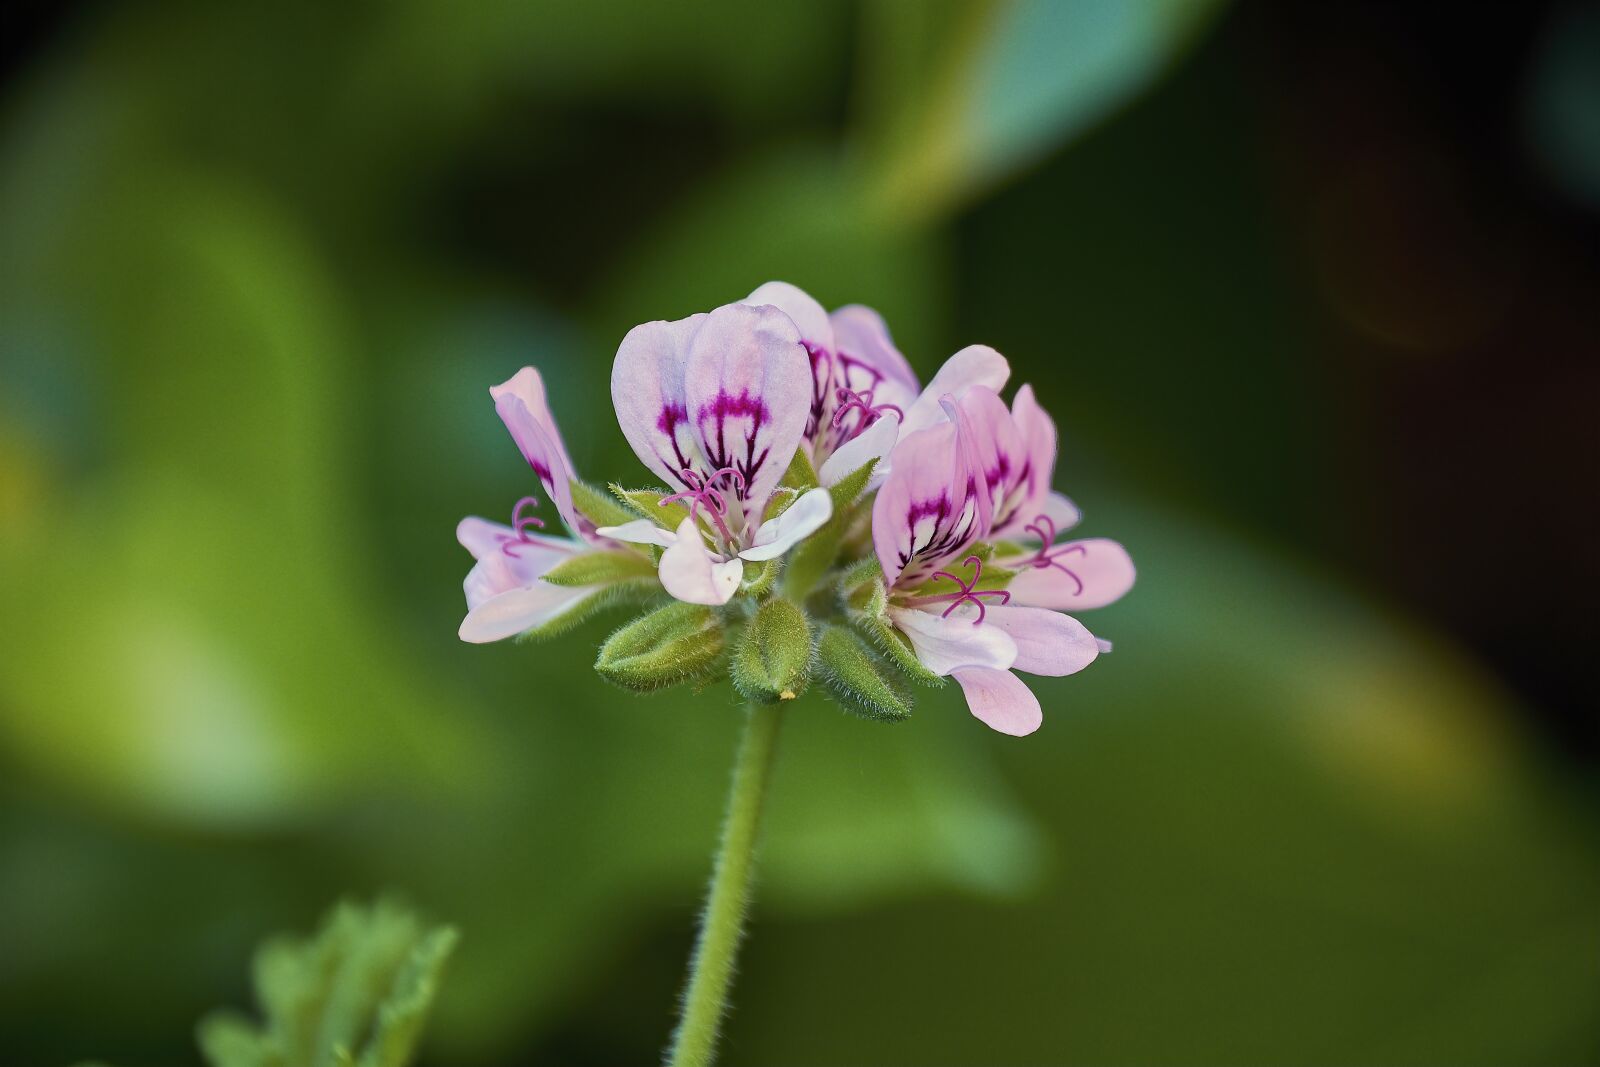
(356, 993)
(997, 83)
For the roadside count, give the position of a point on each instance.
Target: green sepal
(356, 994)
(860, 573)
(850, 673)
(812, 558)
(629, 591)
(600, 568)
(893, 647)
(773, 662)
(760, 577)
(782, 498)
(596, 506)
(673, 644)
(801, 474)
(646, 503)
(1007, 550)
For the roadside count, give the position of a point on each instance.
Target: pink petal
(1001, 701)
(927, 510)
(744, 387)
(1048, 642)
(802, 519)
(973, 365)
(534, 555)
(867, 355)
(692, 574)
(512, 612)
(816, 332)
(945, 645)
(809, 316)
(997, 445)
(647, 389)
(1084, 574)
(528, 387)
(1030, 486)
(544, 453)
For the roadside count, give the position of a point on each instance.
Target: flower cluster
(818, 516)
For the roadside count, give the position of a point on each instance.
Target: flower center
(1044, 528)
(703, 493)
(967, 593)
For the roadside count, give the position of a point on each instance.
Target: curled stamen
(1048, 556)
(520, 524)
(967, 593)
(702, 492)
(851, 400)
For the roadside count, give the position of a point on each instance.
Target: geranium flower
(505, 591)
(864, 395)
(951, 486)
(714, 405)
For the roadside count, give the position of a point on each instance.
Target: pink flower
(864, 395)
(985, 472)
(505, 594)
(715, 406)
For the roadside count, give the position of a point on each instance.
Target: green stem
(705, 1000)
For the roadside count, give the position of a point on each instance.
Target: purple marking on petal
(672, 416)
(719, 410)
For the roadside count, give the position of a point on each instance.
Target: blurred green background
(1309, 288)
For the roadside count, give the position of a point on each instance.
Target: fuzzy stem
(705, 999)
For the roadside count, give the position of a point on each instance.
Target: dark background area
(1313, 300)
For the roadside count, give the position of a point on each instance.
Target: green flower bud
(673, 644)
(852, 675)
(774, 660)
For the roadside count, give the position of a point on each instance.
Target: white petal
(510, 613)
(802, 519)
(694, 575)
(639, 532)
(873, 443)
(1001, 701)
(945, 645)
(1048, 642)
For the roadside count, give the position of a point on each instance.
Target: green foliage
(675, 643)
(646, 504)
(598, 507)
(801, 475)
(815, 555)
(601, 568)
(773, 662)
(852, 675)
(356, 994)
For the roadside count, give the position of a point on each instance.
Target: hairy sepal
(673, 644)
(646, 504)
(853, 676)
(597, 506)
(601, 568)
(773, 662)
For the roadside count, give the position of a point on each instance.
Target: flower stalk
(705, 997)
